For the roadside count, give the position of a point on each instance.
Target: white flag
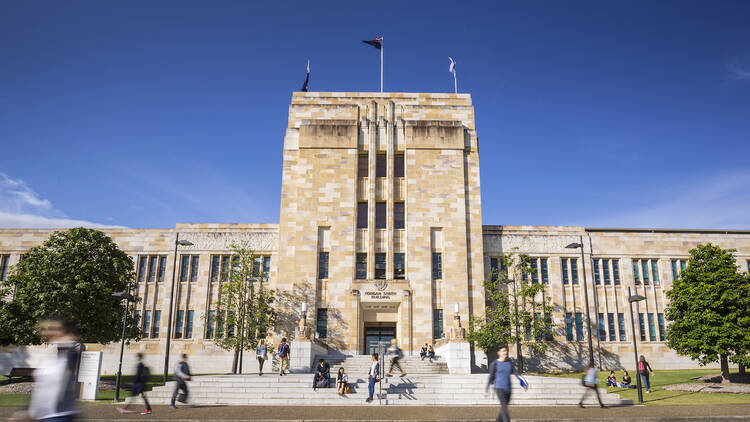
(452, 67)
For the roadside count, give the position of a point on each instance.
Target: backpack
(641, 367)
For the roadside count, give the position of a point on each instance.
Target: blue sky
(595, 113)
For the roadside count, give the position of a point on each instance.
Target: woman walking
(643, 370)
(261, 352)
(589, 381)
(499, 378)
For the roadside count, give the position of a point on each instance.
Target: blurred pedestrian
(396, 355)
(589, 381)
(499, 379)
(142, 376)
(181, 375)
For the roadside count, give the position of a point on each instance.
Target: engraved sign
(380, 295)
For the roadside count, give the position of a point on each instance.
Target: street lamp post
(519, 354)
(586, 295)
(631, 300)
(126, 296)
(177, 242)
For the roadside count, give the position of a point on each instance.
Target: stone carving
(216, 241)
(381, 285)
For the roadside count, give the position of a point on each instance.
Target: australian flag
(377, 42)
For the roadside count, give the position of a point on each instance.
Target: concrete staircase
(360, 364)
(417, 389)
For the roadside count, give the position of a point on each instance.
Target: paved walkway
(733, 412)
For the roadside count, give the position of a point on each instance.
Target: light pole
(519, 354)
(177, 241)
(126, 296)
(586, 295)
(631, 299)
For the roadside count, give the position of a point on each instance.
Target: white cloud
(721, 202)
(21, 207)
(739, 68)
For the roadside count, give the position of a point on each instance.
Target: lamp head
(636, 298)
(574, 245)
(184, 243)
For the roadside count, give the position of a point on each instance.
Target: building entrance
(378, 333)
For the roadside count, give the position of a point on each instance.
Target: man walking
(396, 354)
(373, 377)
(284, 352)
(500, 371)
(181, 375)
(589, 381)
(142, 375)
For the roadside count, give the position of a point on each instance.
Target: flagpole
(455, 84)
(382, 45)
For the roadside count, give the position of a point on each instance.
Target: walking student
(643, 370)
(283, 353)
(589, 381)
(142, 375)
(181, 375)
(499, 379)
(261, 352)
(373, 377)
(396, 354)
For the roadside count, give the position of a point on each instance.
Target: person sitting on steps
(342, 382)
(423, 352)
(430, 353)
(322, 375)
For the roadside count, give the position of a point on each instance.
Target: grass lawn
(659, 396)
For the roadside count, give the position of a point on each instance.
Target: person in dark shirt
(499, 379)
(322, 372)
(181, 375)
(423, 352)
(643, 371)
(142, 375)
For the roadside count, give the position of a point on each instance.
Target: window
(646, 265)
(679, 264)
(157, 321)
(215, 268)
(651, 328)
(579, 326)
(537, 332)
(230, 328)
(152, 269)
(266, 266)
(361, 266)
(146, 324)
(399, 266)
(636, 278)
(564, 262)
(655, 271)
(179, 325)
(616, 271)
(621, 326)
(642, 327)
(4, 267)
(162, 268)
(381, 169)
(380, 221)
(137, 317)
(362, 165)
(257, 262)
(644, 273)
(493, 269)
(662, 327)
(322, 323)
(189, 325)
(184, 268)
(597, 279)
(380, 266)
(211, 324)
(602, 331)
(574, 270)
(398, 165)
(545, 273)
(220, 325)
(569, 326)
(535, 271)
(437, 266)
(548, 329)
(142, 264)
(611, 326)
(362, 215)
(194, 269)
(437, 323)
(605, 268)
(399, 221)
(323, 265)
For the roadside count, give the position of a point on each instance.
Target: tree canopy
(72, 274)
(709, 309)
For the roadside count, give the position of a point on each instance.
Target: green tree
(709, 309)
(497, 326)
(74, 274)
(244, 305)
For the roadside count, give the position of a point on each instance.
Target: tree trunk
(724, 368)
(234, 359)
(742, 369)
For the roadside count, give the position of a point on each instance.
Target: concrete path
(373, 412)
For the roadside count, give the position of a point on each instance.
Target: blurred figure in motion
(142, 376)
(55, 386)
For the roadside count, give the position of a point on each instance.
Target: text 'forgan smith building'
(381, 234)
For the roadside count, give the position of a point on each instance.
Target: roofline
(658, 230)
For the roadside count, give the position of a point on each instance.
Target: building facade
(380, 235)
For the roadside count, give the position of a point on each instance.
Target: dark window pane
(636, 278)
(437, 323)
(380, 266)
(398, 215)
(574, 270)
(564, 265)
(535, 271)
(545, 273)
(621, 326)
(362, 165)
(437, 266)
(361, 266)
(579, 326)
(256, 266)
(215, 262)
(602, 331)
(322, 323)
(380, 222)
(642, 327)
(674, 269)
(381, 169)
(323, 265)
(644, 266)
(162, 268)
(398, 165)
(493, 269)
(651, 328)
(146, 324)
(224, 268)
(189, 325)
(179, 324)
(152, 269)
(211, 324)
(142, 264)
(266, 266)
(597, 280)
(362, 215)
(194, 270)
(611, 326)
(569, 326)
(157, 321)
(605, 267)
(399, 266)
(616, 271)
(537, 333)
(184, 268)
(655, 271)
(662, 328)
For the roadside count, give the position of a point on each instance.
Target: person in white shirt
(181, 375)
(589, 381)
(372, 377)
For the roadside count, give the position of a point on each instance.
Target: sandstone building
(380, 234)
